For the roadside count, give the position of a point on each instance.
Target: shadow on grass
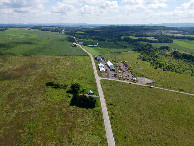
(56, 85)
(83, 101)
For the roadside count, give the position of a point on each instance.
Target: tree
(75, 88)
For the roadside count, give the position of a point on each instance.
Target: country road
(146, 86)
(109, 134)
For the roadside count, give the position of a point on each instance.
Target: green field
(148, 116)
(179, 35)
(184, 44)
(96, 50)
(165, 79)
(35, 42)
(177, 44)
(149, 38)
(32, 113)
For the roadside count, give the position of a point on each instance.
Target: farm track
(109, 134)
(146, 86)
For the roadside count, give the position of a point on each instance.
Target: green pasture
(35, 42)
(177, 44)
(32, 113)
(148, 116)
(185, 44)
(149, 38)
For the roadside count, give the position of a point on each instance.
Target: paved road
(109, 134)
(146, 86)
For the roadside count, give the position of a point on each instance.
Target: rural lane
(109, 134)
(147, 86)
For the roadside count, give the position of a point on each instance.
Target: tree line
(52, 29)
(3, 29)
(160, 59)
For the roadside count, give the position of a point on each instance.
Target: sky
(97, 11)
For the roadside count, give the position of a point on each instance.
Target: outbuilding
(110, 65)
(102, 69)
(90, 92)
(100, 65)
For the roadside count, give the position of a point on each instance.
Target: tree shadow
(56, 85)
(83, 101)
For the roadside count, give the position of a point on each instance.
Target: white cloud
(185, 10)
(96, 11)
(91, 10)
(158, 5)
(62, 8)
(109, 5)
(132, 2)
(154, 4)
(92, 2)
(189, 5)
(21, 6)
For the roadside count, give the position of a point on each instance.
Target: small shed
(100, 65)
(90, 92)
(102, 69)
(98, 57)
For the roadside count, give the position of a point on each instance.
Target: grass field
(149, 38)
(32, 113)
(97, 50)
(184, 44)
(180, 45)
(107, 47)
(179, 35)
(165, 79)
(145, 116)
(34, 42)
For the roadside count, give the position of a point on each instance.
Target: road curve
(147, 86)
(109, 134)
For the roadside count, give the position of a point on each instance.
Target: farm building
(93, 45)
(74, 45)
(81, 43)
(102, 69)
(98, 57)
(110, 65)
(100, 65)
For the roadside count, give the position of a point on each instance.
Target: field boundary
(146, 86)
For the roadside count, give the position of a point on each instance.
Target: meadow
(32, 113)
(166, 79)
(149, 38)
(35, 42)
(185, 44)
(148, 116)
(181, 45)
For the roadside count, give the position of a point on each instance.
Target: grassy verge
(145, 116)
(165, 79)
(32, 113)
